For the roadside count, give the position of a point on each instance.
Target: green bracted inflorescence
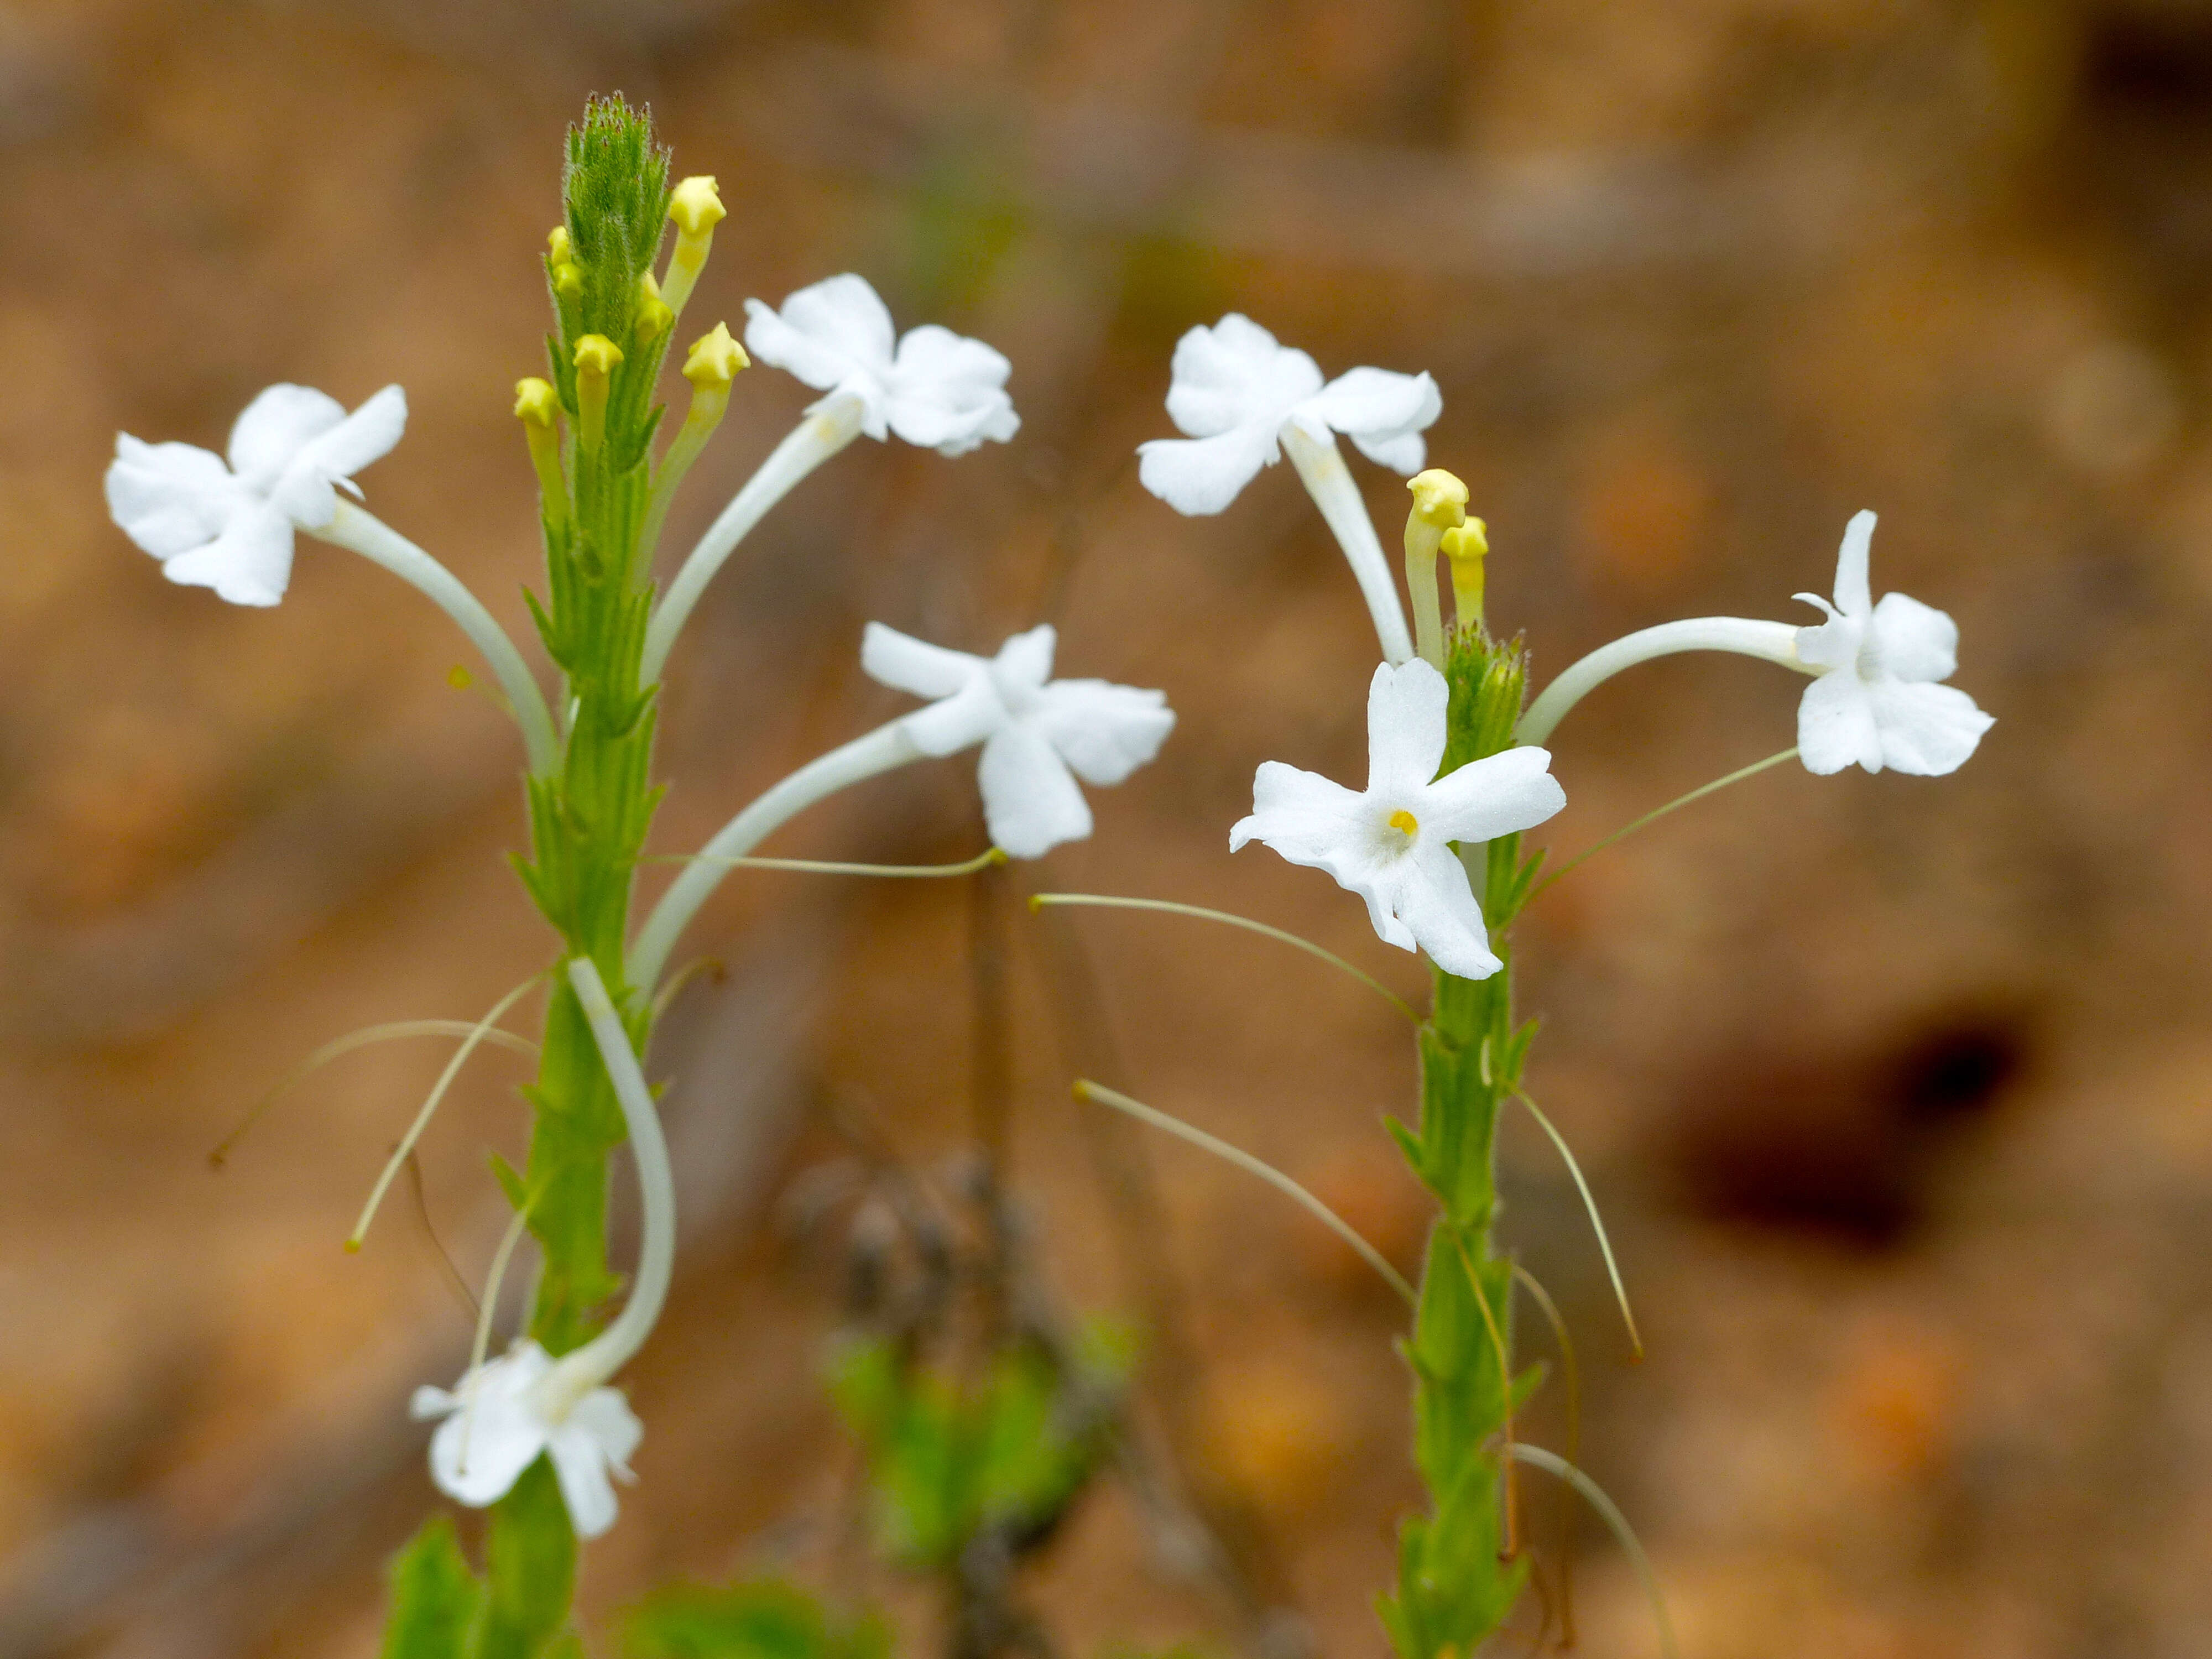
(1458, 1576)
(588, 819)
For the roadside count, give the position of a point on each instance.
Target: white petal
(907, 664)
(947, 392)
(1406, 726)
(275, 428)
(1854, 592)
(1831, 644)
(494, 1432)
(605, 1414)
(821, 364)
(1435, 898)
(954, 723)
(1927, 730)
(1314, 822)
(1030, 799)
(1235, 373)
(1912, 640)
(1201, 476)
(1498, 795)
(582, 1469)
(249, 564)
(169, 498)
(429, 1402)
(1024, 662)
(1836, 725)
(366, 434)
(1105, 731)
(1383, 412)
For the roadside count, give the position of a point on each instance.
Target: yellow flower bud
(539, 408)
(696, 207)
(559, 249)
(568, 281)
(597, 359)
(654, 318)
(536, 401)
(716, 359)
(1467, 546)
(1439, 498)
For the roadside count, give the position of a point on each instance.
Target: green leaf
(532, 1556)
(434, 1597)
(762, 1618)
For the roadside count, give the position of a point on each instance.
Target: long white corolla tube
(1334, 491)
(360, 531)
(576, 1374)
(879, 750)
(1775, 642)
(822, 435)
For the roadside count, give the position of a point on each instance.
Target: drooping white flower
(1039, 734)
(936, 389)
(1391, 844)
(1878, 701)
(1237, 391)
(501, 1414)
(229, 527)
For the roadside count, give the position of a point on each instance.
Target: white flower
(1038, 734)
(1878, 701)
(500, 1417)
(230, 527)
(938, 389)
(1392, 844)
(1236, 390)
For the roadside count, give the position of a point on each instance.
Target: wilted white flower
(1392, 843)
(934, 388)
(1236, 389)
(503, 1413)
(1878, 701)
(1038, 734)
(229, 527)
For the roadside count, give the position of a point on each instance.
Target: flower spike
(1243, 398)
(1038, 734)
(1392, 844)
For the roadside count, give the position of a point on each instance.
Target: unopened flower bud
(1467, 546)
(537, 406)
(695, 207)
(597, 359)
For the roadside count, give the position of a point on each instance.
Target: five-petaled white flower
(230, 527)
(1878, 701)
(936, 389)
(1235, 390)
(500, 1416)
(1392, 844)
(1038, 734)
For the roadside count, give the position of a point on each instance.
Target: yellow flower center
(1401, 819)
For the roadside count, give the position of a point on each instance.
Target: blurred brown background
(1893, 1088)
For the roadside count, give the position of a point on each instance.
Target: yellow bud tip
(559, 249)
(459, 677)
(1403, 820)
(535, 401)
(597, 355)
(353, 1247)
(1439, 498)
(569, 280)
(695, 206)
(716, 359)
(654, 320)
(1468, 541)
